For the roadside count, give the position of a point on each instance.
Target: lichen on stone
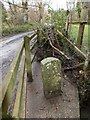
(51, 74)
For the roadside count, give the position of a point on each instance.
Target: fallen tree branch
(58, 51)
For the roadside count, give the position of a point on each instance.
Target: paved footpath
(63, 106)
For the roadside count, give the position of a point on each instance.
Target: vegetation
(53, 40)
(58, 18)
(79, 73)
(16, 29)
(20, 17)
(75, 69)
(74, 34)
(4, 13)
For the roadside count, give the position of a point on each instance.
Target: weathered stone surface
(51, 75)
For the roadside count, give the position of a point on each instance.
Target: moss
(51, 74)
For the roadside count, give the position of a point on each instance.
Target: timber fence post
(38, 34)
(80, 35)
(27, 58)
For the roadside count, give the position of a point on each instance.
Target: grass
(16, 29)
(74, 34)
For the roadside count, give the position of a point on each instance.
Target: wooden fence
(80, 32)
(10, 79)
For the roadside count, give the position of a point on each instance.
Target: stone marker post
(51, 75)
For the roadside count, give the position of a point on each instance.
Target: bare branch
(11, 9)
(13, 4)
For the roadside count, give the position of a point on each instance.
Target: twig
(74, 67)
(58, 51)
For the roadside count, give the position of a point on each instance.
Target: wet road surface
(8, 49)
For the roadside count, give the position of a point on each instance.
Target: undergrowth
(16, 29)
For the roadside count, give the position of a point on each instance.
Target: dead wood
(57, 50)
(74, 67)
(53, 30)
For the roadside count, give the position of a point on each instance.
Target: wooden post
(38, 34)
(88, 28)
(80, 35)
(67, 26)
(87, 61)
(27, 58)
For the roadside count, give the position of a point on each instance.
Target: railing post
(80, 35)
(38, 34)
(27, 58)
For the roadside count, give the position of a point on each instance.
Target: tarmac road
(8, 49)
